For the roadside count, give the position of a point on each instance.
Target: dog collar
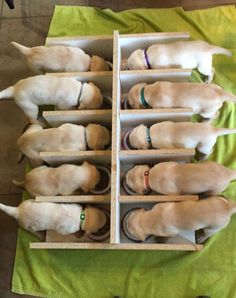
(147, 60)
(80, 93)
(149, 140)
(142, 98)
(82, 218)
(146, 182)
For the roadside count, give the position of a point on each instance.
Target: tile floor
(28, 24)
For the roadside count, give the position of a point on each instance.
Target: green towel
(131, 274)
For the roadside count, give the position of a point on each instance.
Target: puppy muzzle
(103, 233)
(125, 229)
(104, 184)
(129, 191)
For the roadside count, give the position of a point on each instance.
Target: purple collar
(146, 59)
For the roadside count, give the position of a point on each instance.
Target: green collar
(142, 98)
(82, 218)
(149, 140)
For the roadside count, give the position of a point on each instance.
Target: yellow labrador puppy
(63, 218)
(43, 59)
(205, 100)
(180, 54)
(169, 134)
(63, 92)
(172, 178)
(63, 180)
(168, 219)
(66, 137)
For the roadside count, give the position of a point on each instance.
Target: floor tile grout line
(27, 17)
(11, 195)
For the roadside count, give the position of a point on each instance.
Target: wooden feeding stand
(116, 84)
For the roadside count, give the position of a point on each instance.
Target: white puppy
(43, 59)
(65, 93)
(63, 180)
(168, 219)
(180, 54)
(66, 137)
(172, 178)
(205, 100)
(169, 134)
(63, 218)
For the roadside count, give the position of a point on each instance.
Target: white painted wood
(156, 198)
(100, 45)
(150, 116)
(75, 199)
(56, 118)
(132, 42)
(57, 158)
(155, 155)
(115, 141)
(121, 246)
(129, 78)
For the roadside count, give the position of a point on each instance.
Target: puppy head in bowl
(98, 64)
(136, 180)
(97, 136)
(91, 97)
(95, 219)
(90, 177)
(134, 96)
(131, 225)
(137, 60)
(139, 138)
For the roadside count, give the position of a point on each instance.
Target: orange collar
(146, 180)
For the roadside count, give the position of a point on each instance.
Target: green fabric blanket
(162, 274)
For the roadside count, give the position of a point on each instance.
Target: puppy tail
(20, 184)
(219, 50)
(22, 49)
(225, 131)
(7, 93)
(12, 211)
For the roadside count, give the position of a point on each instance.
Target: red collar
(146, 180)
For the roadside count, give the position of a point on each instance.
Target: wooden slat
(56, 118)
(129, 78)
(156, 198)
(150, 116)
(153, 155)
(100, 45)
(126, 246)
(56, 158)
(75, 199)
(115, 141)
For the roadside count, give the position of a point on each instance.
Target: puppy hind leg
(206, 148)
(205, 67)
(30, 109)
(208, 232)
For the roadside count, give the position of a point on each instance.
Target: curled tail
(12, 211)
(20, 184)
(225, 131)
(219, 50)
(22, 49)
(7, 93)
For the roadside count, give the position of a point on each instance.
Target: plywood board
(100, 45)
(56, 118)
(76, 157)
